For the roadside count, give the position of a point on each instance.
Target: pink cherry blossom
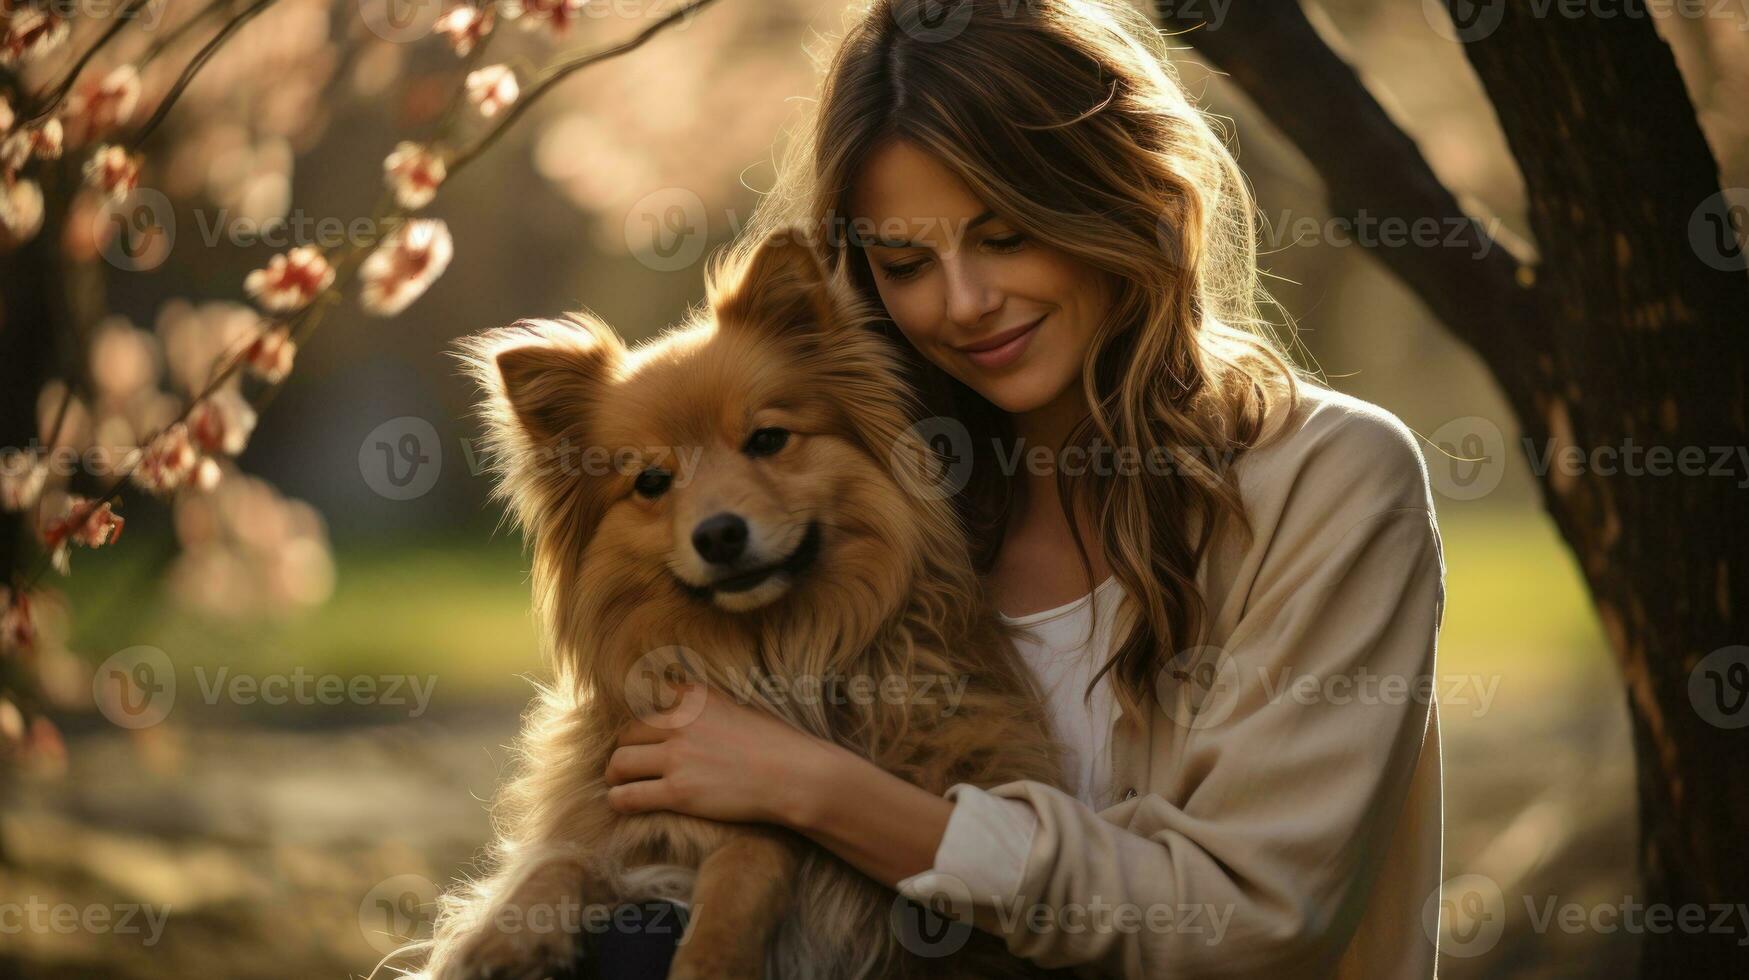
(167, 462)
(492, 88)
(32, 33)
(221, 422)
(17, 629)
(113, 171)
(290, 280)
(43, 142)
(79, 521)
(11, 726)
(465, 26)
(405, 265)
(208, 474)
(21, 480)
(45, 747)
(108, 102)
(414, 173)
(21, 210)
(556, 15)
(270, 355)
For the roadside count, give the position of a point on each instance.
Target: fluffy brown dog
(737, 501)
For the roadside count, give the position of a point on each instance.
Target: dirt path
(242, 854)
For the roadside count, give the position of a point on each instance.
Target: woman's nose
(970, 294)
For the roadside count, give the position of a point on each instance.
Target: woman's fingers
(630, 762)
(640, 796)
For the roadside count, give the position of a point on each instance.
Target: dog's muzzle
(714, 539)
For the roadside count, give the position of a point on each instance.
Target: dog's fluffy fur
(621, 589)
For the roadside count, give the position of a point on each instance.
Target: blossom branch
(560, 72)
(305, 320)
(182, 30)
(194, 66)
(53, 101)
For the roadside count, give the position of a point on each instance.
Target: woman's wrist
(887, 828)
(813, 782)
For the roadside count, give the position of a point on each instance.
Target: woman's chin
(1017, 395)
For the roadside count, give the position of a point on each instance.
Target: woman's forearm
(878, 823)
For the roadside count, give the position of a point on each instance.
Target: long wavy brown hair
(1066, 118)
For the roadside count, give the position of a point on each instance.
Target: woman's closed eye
(904, 270)
(1000, 244)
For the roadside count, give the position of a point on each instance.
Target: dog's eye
(764, 442)
(653, 482)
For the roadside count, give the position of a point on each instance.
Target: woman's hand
(711, 757)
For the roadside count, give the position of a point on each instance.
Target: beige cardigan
(1281, 814)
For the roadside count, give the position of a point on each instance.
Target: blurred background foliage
(267, 829)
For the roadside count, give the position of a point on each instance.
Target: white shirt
(988, 838)
(1065, 647)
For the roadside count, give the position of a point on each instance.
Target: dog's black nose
(720, 538)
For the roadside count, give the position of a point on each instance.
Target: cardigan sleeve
(1298, 762)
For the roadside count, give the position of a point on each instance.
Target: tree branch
(52, 101)
(1273, 52)
(560, 72)
(194, 66)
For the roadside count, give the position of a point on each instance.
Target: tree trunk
(1623, 335)
(32, 321)
(33, 325)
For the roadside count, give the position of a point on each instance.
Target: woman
(1240, 655)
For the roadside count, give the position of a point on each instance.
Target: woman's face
(1009, 317)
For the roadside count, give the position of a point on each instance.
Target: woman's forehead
(906, 195)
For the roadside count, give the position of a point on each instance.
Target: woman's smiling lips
(1001, 349)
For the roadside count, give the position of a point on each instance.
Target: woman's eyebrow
(902, 243)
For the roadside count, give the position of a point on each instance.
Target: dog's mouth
(798, 561)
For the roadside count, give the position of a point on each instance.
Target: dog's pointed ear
(781, 284)
(542, 375)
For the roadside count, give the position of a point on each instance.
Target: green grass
(454, 606)
(1514, 597)
(457, 606)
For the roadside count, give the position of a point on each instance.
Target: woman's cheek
(915, 320)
